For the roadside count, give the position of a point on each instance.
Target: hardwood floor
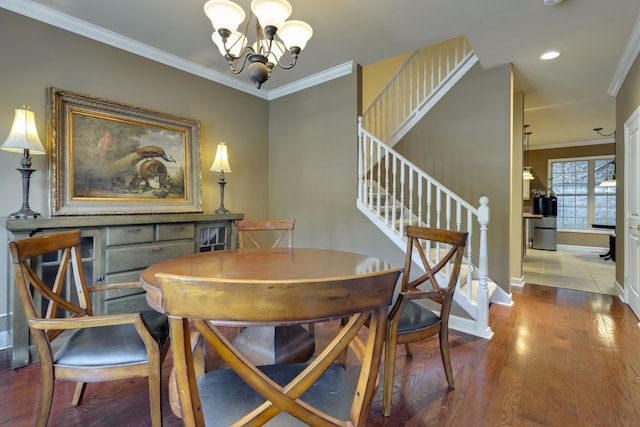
(558, 358)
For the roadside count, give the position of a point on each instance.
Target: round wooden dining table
(281, 344)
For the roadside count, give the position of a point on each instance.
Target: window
(582, 201)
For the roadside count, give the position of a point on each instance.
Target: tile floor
(581, 270)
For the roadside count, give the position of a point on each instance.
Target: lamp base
(222, 209)
(25, 213)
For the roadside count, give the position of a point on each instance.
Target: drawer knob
(157, 249)
(132, 230)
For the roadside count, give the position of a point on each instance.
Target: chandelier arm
(291, 56)
(233, 60)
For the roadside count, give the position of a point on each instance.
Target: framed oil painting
(109, 158)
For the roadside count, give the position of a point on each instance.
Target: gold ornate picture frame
(111, 158)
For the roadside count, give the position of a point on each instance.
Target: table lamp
(23, 138)
(221, 164)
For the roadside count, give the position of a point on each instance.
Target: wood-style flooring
(558, 358)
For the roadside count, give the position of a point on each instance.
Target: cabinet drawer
(136, 257)
(130, 234)
(176, 231)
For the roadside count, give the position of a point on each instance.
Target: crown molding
(573, 144)
(57, 19)
(626, 61)
(313, 80)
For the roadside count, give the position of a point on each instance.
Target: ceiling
(564, 98)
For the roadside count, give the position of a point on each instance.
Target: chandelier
(267, 50)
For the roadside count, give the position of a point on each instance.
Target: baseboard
(5, 331)
(576, 248)
(468, 326)
(5, 340)
(517, 282)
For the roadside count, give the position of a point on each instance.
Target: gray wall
(465, 143)
(313, 170)
(293, 157)
(36, 56)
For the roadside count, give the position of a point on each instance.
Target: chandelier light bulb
(295, 34)
(271, 12)
(224, 14)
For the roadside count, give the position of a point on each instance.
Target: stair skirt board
(468, 326)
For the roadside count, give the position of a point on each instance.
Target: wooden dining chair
(57, 304)
(272, 233)
(439, 253)
(319, 392)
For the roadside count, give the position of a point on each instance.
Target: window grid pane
(581, 199)
(570, 182)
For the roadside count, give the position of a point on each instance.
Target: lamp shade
(23, 134)
(221, 161)
(526, 174)
(609, 182)
(295, 34)
(271, 12)
(224, 14)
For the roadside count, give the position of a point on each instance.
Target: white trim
(6, 320)
(586, 230)
(5, 340)
(468, 326)
(57, 19)
(517, 282)
(626, 61)
(573, 144)
(313, 80)
(576, 248)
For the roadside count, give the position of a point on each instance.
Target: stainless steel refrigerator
(545, 233)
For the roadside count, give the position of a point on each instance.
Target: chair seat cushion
(225, 397)
(416, 316)
(111, 345)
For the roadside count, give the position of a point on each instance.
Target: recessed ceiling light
(550, 55)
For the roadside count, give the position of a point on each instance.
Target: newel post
(483, 267)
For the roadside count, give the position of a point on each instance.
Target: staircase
(393, 192)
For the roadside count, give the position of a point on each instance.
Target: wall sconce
(23, 138)
(221, 164)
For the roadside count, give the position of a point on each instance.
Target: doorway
(581, 269)
(632, 207)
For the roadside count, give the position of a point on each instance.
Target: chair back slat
(67, 295)
(274, 230)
